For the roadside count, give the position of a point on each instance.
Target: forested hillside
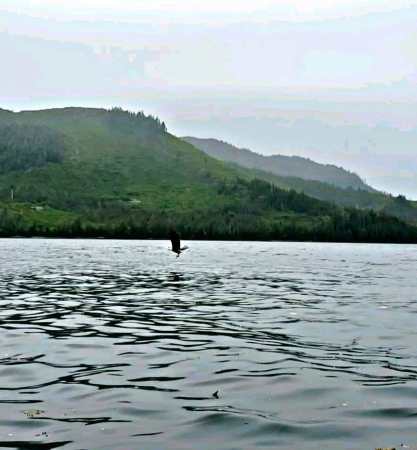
(112, 173)
(288, 166)
(337, 186)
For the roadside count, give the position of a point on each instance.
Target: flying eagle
(176, 243)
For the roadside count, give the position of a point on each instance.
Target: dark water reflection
(119, 345)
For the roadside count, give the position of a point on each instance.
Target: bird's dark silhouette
(176, 243)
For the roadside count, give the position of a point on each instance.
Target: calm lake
(119, 345)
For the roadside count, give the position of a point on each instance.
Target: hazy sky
(251, 72)
(266, 9)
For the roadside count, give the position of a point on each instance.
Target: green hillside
(324, 182)
(94, 172)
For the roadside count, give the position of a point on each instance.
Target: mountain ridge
(370, 198)
(94, 172)
(283, 165)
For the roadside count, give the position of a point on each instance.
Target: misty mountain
(96, 172)
(287, 166)
(351, 191)
(382, 154)
(332, 92)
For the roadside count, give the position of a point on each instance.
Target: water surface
(118, 345)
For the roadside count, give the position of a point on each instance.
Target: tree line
(243, 210)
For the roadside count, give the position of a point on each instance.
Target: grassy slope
(117, 176)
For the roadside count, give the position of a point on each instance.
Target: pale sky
(225, 9)
(333, 80)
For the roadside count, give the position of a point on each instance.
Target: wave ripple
(117, 345)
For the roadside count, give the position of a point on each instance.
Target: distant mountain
(95, 172)
(288, 166)
(356, 194)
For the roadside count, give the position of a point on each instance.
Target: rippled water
(119, 345)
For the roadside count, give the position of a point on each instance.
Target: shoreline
(117, 238)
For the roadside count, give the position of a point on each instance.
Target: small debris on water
(31, 413)
(43, 434)
(216, 394)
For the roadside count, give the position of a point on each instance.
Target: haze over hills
(324, 182)
(288, 166)
(383, 154)
(331, 93)
(96, 172)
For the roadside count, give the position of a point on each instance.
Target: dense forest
(24, 147)
(78, 172)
